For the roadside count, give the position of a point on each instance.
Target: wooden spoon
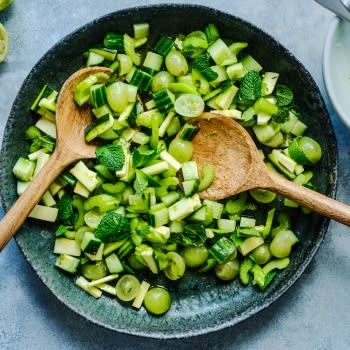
(71, 121)
(226, 145)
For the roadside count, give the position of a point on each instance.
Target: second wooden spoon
(226, 145)
(71, 121)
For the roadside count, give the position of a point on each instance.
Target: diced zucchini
(163, 45)
(190, 170)
(235, 71)
(226, 225)
(157, 168)
(81, 190)
(141, 30)
(141, 79)
(181, 209)
(57, 185)
(24, 169)
(190, 187)
(108, 54)
(94, 59)
(113, 263)
(86, 176)
(44, 213)
(67, 246)
(247, 222)
(21, 187)
(176, 226)
(48, 199)
(249, 63)
(224, 100)
(216, 208)
(268, 83)
(153, 61)
(219, 51)
(170, 198)
(68, 263)
(49, 128)
(90, 243)
(42, 159)
(159, 217)
(98, 127)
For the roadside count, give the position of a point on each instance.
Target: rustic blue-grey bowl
(200, 303)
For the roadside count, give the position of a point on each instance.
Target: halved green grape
(189, 105)
(195, 256)
(176, 63)
(127, 287)
(227, 271)
(176, 266)
(305, 150)
(3, 42)
(161, 80)
(157, 300)
(181, 150)
(118, 96)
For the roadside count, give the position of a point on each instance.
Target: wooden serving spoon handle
(310, 199)
(71, 121)
(31, 196)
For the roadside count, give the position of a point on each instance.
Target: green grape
(195, 256)
(181, 150)
(176, 266)
(127, 287)
(157, 301)
(118, 96)
(161, 80)
(176, 63)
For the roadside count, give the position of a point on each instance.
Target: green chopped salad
(136, 210)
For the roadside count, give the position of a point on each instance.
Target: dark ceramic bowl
(200, 303)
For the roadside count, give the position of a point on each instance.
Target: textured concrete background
(313, 314)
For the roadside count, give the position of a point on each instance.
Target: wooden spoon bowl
(225, 144)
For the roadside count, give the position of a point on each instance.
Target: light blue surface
(313, 314)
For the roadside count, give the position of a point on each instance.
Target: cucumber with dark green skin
(141, 79)
(163, 45)
(98, 127)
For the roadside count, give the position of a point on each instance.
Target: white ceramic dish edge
(338, 88)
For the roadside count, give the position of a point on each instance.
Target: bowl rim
(327, 76)
(324, 222)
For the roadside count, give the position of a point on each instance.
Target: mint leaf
(250, 87)
(111, 156)
(284, 95)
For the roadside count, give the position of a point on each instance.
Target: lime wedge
(4, 4)
(3, 42)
